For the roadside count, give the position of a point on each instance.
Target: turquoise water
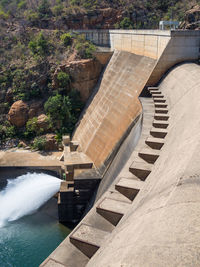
(29, 240)
(29, 228)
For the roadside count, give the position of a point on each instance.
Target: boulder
(36, 108)
(51, 143)
(18, 113)
(192, 19)
(42, 122)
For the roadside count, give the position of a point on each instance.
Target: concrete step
(149, 155)
(147, 101)
(125, 173)
(155, 143)
(129, 187)
(140, 169)
(73, 146)
(161, 110)
(116, 195)
(157, 96)
(158, 132)
(112, 210)
(159, 100)
(161, 117)
(149, 109)
(160, 124)
(153, 88)
(88, 239)
(160, 105)
(156, 92)
(77, 160)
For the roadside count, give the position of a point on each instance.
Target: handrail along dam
(140, 132)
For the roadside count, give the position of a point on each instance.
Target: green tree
(63, 79)
(126, 23)
(39, 46)
(66, 38)
(44, 10)
(58, 107)
(39, 143)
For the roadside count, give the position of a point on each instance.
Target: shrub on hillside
(126, 23)
(84, 48)
(63, 79)
(57, 9)
(44, 10)
(66, 38)
(64, 111)
(39, 46)
(39, 143)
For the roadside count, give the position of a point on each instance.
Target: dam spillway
(149, 214)
(30, 191)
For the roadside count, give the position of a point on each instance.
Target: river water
(29, 229)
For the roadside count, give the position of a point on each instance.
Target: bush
(7, 131)
(31, 128)
(66, 38)
(21, 4)
(84, 48)
(44, 9)
(39, 143)
(3, 15)
(62, 113)
(10, 131)
(126, 23)
(57, 10)
(90, 4)
(39, 46)
(23, 87)
(33, 17)
(58, 107)
(63, 79)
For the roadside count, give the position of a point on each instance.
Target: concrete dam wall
(161, 227)
(114, 107)
(149, 215)
(140, 59)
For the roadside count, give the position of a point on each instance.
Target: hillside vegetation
(93, 13)
(37, 92)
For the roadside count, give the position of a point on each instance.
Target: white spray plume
(25, 194)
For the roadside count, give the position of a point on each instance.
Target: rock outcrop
(84, 75)
(18, 113)
(51, 143)
(42, 122)
(192, 19)
(104, 18)
(35, 108)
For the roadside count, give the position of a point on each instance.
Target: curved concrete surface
(114, 107)
(162, 225)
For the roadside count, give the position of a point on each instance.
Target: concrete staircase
(95, 228)
(117, 201)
